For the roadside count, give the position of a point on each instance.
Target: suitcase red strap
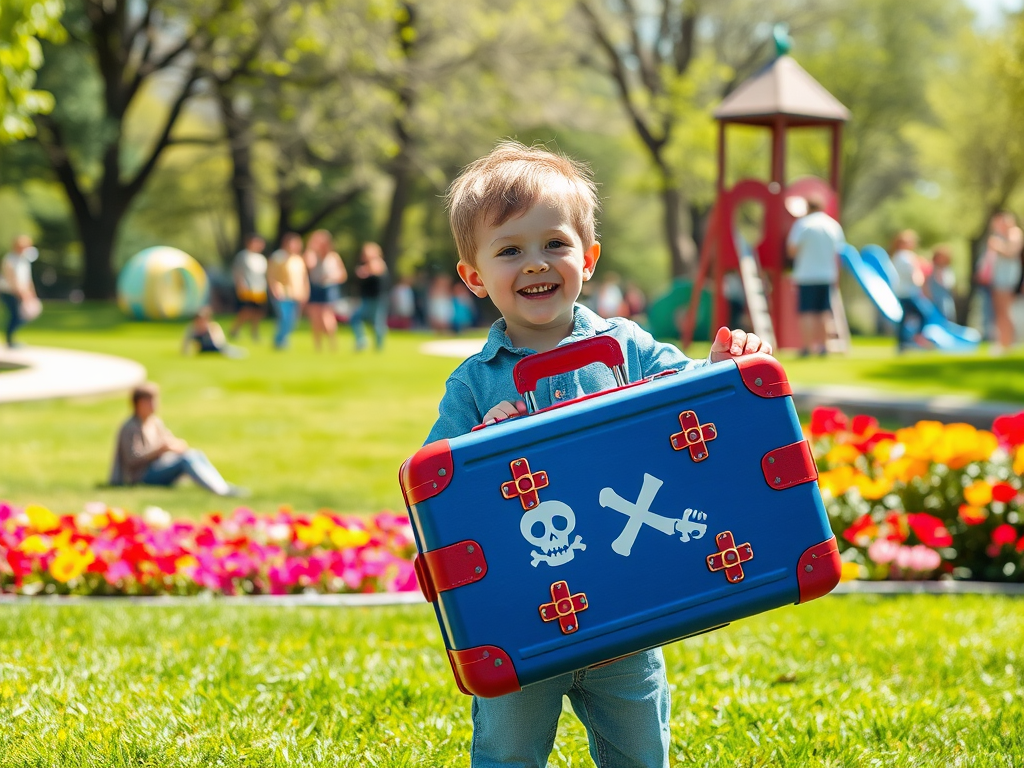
(449, 567)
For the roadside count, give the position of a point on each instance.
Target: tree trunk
(98, 237)
(390, 242)
(243, 186)
(678, 232)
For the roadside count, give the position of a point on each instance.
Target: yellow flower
(837, 481)
(883, 450)
(1018, 461)
(309, 534)
(35, 545)
(850, 572)
(962, 444)
(978, 494)
(873, 489)
(42, 519)
(71, 563)
(322, 522)
(343, 538)
(842, 454)
(185, 561)
(906, 469)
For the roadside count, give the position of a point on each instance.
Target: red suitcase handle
(599, 349)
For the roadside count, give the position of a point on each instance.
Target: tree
(22, 24)
(670, 61)
(118, 50)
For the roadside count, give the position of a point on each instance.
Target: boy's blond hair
(505, 183)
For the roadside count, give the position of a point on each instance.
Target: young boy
(523, 221)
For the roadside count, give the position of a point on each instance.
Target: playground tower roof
(782, 88)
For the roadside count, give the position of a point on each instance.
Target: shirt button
(558, 394)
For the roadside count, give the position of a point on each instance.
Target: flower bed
(106, 551)
(928, 501)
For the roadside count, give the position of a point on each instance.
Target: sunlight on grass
(845, 681)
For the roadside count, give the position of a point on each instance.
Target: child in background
(249, 272)
(908, 286)
(523, 222)
(940, 283)
(204, 334)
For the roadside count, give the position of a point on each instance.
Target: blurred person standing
(1006, 242)
(403, 304)
(288, 283)
(940, 282)
(813, 242)
(373, 296)
(249, 272)
(326, 276)
(441, 304)
(909, 285)
(17, 291)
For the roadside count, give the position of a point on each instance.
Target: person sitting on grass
(204, 334)
(148, 453)
(523, 222)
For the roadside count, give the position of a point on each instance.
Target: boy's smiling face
(533, 268)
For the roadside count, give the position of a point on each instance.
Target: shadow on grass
(1000, 379)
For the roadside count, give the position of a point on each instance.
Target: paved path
(891, 406)
(47, 373)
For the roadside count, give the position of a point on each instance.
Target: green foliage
(22, 24)
(905, 682)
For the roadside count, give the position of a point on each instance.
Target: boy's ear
(590, 257)
(471, 277)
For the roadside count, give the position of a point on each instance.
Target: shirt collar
(585, 324)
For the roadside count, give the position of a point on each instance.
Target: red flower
(1003, 492)
(1004, 534)
(827, 421)
(897, 527)
(1010, 429)
(857, 527)
(929, 529)
(863, 424)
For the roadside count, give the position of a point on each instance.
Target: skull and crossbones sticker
(549, 527)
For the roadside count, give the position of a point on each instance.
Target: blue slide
(940, 331)
(874, 285)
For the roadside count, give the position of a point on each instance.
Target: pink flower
(919, 558)
(883, 551)
(117, 571)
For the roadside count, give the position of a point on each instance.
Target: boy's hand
(504, 410)
(729, 344)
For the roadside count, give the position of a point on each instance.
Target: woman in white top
(17, 291)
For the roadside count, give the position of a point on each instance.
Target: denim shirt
(485, 379)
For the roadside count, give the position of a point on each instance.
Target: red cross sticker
(729, 557)
(694, 436)
(524, 484)
(564, 607)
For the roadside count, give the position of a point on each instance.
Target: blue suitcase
(616, 522)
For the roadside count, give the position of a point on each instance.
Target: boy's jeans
(624, 707)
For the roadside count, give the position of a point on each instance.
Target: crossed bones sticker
(639, 514)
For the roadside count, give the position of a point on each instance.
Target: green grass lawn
(841, 682)
(320, 430)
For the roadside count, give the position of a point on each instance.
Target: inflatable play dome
(162, 283)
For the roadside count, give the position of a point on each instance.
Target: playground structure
(781, 97)
(162, 283)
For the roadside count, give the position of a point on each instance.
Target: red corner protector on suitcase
(763, 375)
(449, 567)
(818, 570)
(484, 671)
(789, 465)
(426, 473)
